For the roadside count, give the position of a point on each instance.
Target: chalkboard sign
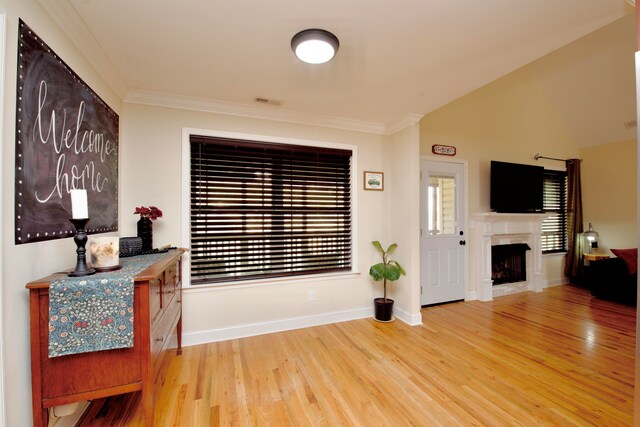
(66, 138)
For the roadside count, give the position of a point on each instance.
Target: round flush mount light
(315, 46)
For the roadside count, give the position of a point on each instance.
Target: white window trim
(186, 203)
(3, 52)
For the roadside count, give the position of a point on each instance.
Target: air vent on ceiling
(268, 101)
(631, 124)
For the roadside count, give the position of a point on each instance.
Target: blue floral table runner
(94, 313)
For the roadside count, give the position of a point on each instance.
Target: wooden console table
(157, 319)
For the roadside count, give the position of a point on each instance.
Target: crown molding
(71, 24)
(157, 99)
(243, 110)
(67, 18)
(404, 122)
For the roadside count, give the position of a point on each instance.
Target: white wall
(150, 171)
(402, 181)
(28, 262)
(151, 174)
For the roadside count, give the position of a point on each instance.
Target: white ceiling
(398, 59)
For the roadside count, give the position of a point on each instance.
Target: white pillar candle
(79, 206)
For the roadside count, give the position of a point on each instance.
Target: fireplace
(494, 230)
(509, 263)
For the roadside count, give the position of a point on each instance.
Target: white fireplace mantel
(491, 228)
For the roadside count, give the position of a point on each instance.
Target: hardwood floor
(557, 357)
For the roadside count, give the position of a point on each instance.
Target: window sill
(210, 287)
(554, 254)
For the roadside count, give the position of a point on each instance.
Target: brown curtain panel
(574, 266)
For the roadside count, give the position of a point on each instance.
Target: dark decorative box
(130, 246)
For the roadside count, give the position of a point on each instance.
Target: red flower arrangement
(150, 212)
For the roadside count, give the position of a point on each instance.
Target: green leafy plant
(388, 269)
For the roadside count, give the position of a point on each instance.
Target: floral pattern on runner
(94, 313)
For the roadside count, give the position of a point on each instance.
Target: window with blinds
(266, 210)
(554, 228)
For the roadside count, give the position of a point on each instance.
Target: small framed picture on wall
(374, 181)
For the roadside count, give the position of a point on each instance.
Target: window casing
(554, 228)
(261, 210)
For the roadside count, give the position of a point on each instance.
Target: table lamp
(592, 237)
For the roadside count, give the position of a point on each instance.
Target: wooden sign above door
(443, 150)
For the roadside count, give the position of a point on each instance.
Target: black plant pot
(383, 310)
(145, 232)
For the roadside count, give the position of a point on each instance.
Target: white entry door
(443, 237)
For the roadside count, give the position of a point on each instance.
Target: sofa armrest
(608, 269)
(609, 279)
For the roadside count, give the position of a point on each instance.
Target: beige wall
(539, 109)
(151, 168)
(508, 120)
(28, 262)
(610, 196)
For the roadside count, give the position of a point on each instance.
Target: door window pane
(441, 205)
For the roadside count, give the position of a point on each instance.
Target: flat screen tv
(516, 188)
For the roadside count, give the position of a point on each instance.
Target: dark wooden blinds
(554, 228)
(262, 210)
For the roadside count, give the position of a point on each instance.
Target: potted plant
(389, 270)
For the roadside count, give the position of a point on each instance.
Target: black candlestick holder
(82, 269)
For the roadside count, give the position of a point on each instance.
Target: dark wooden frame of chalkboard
(66, 138)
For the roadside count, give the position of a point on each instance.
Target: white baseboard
(243, 331)
(409, 319)
(555, 282)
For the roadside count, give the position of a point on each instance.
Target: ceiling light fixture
(315, 46)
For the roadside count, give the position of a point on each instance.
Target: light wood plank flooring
(556, 358)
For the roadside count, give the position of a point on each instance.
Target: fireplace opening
(509, 263)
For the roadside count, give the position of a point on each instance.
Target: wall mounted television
(516, 188)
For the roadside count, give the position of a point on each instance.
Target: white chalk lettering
(75, 178)
(81, 143)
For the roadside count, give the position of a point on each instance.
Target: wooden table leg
(40, 417)
(179, 331)
(40, 414)
(147, 406)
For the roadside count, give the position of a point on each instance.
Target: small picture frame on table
(374, 181)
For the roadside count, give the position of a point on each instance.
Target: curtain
(574, 266)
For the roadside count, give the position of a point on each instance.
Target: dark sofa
(610, 279)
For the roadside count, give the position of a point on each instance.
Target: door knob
(463, 242)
